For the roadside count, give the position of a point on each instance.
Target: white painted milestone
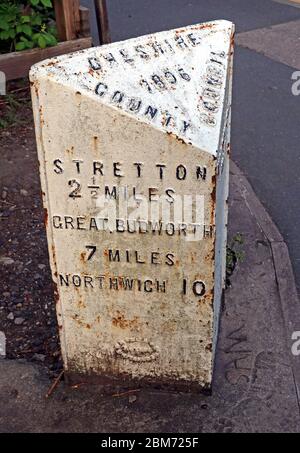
(133, 143)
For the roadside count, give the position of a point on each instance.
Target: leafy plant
(24, 25)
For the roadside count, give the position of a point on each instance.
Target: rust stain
(193, 257)
(55, 292)
(180, 30)
(45, 216)
(41, 115)
(213, 199)
(170, 326)
(119, 320)
(175, 136)
(95, 142)
(232, 40)
(51, 63)
(53, 254)
(70, 151)
(56, 295)
(209, 256)
(208, 347)
(35, 85)
(80, 322)
(207, 297)
(81, 304)
(207, 26)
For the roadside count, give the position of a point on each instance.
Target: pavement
(256, 381)
(265, 123)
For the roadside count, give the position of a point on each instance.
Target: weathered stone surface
(141, 126)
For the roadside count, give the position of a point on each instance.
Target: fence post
(102, 21)
(67, 19)
(84, 22)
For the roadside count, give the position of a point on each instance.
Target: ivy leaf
(29, 44)
(50, 39)
(4, 25)
(25, 19)
(47, 38)
(36, 20)
(53, 40)
(34, 2)
(20, 46)
(41, 42)
(47, 3)
(35, 37)
(52, 30)
(27, 30)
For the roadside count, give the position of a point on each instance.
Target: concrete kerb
(282, 264)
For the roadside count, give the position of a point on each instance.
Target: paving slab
(279, 42)
(255, 380)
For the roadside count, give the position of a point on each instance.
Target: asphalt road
(265, 126)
